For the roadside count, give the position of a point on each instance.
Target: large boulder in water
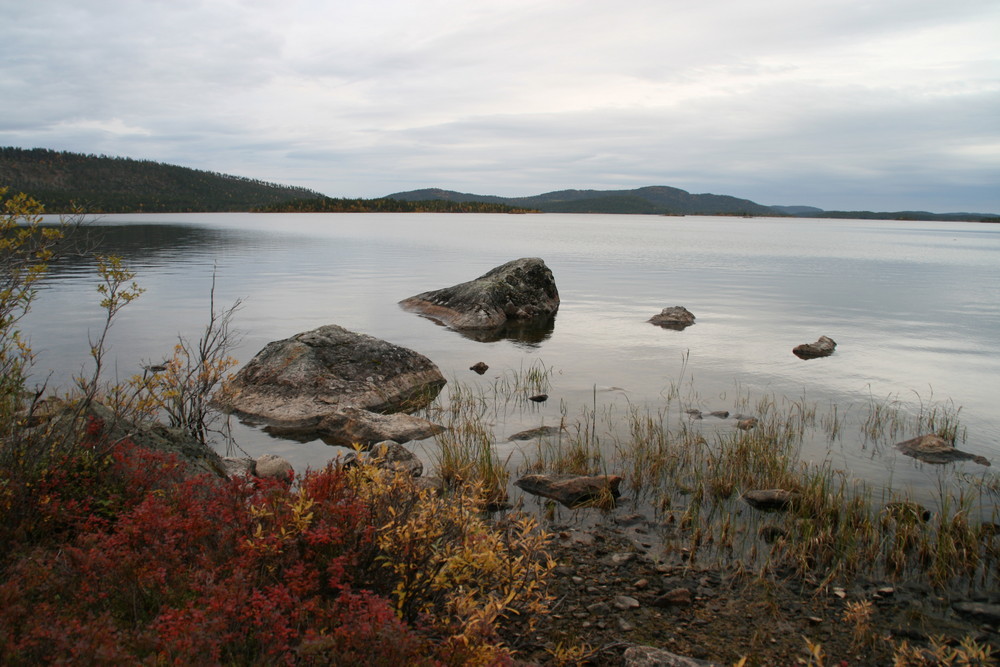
(521, 290)
(296, 382)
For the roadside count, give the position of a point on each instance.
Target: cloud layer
(833, 103)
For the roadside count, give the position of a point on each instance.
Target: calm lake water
(913, 306)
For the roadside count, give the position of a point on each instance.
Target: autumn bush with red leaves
(123, 559)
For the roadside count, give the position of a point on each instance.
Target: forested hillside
(648, 200)
(102, 184)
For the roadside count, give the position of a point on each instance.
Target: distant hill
(104, 184)
(387, 205)
(658, 199)
(663, 200)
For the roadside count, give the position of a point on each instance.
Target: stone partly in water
(572, 491)
(354, 426)
(479, 367)
(674, 317)
(823, 347)
(932, 448)
(295, 383)
(521, 290)
(536, 433)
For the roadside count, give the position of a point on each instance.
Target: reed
(691, 475)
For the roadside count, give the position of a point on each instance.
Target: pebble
(624, 602)
(622, 558)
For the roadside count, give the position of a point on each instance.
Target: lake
(913, 306)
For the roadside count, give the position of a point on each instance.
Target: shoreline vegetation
(111, 551)
(73, 182)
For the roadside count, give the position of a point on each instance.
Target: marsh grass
(521, 384)
(690, 474)
(466, 455)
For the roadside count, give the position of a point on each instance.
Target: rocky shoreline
(614, 588)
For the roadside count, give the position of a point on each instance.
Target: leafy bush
(349, 567)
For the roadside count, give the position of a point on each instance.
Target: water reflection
(139, 245)
(523, 333)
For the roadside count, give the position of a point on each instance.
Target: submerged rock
(907, 511)
(295, 383)
(823, 347)
(769, 499)
(539, 432)
(523, 289)
(572, 491)
(932, 448)
(673, 317)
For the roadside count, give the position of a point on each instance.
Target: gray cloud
(836, 104)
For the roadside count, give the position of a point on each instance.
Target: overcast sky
(841, 104)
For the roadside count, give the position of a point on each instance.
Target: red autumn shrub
(142, 564)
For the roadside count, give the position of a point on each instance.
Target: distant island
(66, 181)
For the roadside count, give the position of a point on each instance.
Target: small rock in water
(821, 348)
(539, 398)
(747, 424)
(479, 368)
(673, 317)
(932, 448)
